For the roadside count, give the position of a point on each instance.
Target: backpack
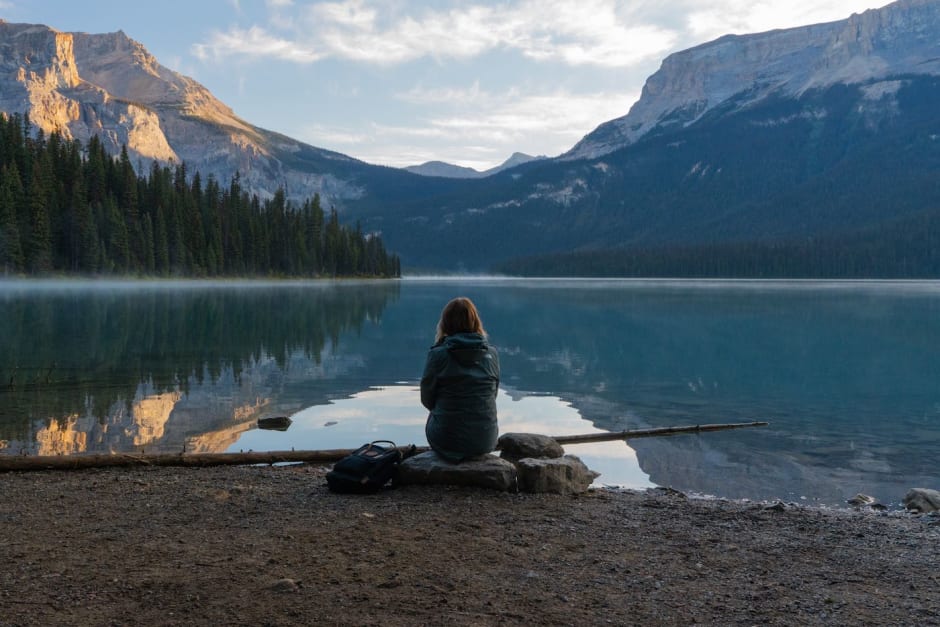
(367, 469)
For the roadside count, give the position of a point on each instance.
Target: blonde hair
(459, 316)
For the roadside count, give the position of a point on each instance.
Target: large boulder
(922, 500)
(515, 446)
(561, 475)
(488, 471)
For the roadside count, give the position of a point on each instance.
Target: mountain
(448, 170)
(867, 48)
(809, 151)
(813, 148)
(109, 85)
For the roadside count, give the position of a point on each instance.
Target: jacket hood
(467, 348)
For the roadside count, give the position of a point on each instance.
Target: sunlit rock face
(899, 39)
(148, 418)
(126, 427)
(62, 437)
(208, 423)
(168, 422)
(217, 441)
(39, 74)
(109, 85)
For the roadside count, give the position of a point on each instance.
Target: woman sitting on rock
(459, 385)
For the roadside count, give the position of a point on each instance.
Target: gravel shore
(271, 546)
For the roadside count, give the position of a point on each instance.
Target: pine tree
(11, 253)
(39, 243)
(118, 245)
(161, 252)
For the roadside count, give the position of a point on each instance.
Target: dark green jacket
(459, 386)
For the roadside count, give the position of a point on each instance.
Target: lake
(846, 373)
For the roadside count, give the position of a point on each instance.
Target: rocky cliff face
(109, 85)
(878, 44)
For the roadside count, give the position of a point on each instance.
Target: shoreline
(248, 545)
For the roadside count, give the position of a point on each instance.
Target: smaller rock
(284, 586)
(862, 500)
(922, 500)
(562, 475)
(515, 446)
(667, 491)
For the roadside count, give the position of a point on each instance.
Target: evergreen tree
(11, 253)
(39, 243)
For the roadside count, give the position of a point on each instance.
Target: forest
(73, 209)
(906, 248)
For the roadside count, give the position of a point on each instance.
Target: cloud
(254, 42)
(574, 32)
(600, 33)
(476, 128)
(750, 16)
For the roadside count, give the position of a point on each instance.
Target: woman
(459, 385)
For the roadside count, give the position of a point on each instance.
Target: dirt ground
(271, 546)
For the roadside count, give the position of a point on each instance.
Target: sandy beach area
(272, 546)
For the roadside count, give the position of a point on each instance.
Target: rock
(922, 500)
(561, 475)
(488, 471)
(284, 586)
(667, 491)
(275, 423)
(861, 500)
(515, 446)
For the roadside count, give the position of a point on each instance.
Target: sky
(402, 82)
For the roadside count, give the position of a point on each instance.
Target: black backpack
(367, 469)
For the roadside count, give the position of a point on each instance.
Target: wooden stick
(79, 462)
(651, 433)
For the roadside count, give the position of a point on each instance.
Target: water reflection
(391, 413)
(117, 367)
(845, 372)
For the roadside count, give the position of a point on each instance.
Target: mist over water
(846, 372)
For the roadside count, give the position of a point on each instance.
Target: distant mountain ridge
(449, 170)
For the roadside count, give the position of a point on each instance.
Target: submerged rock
(275, 423)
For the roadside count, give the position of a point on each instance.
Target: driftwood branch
(651, 433)
(78, 462)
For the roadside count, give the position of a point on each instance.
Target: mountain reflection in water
(846, 373)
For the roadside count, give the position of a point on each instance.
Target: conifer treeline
(65, 207)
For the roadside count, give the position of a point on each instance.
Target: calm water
(848, 374)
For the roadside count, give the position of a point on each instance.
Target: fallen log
(79, 462)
